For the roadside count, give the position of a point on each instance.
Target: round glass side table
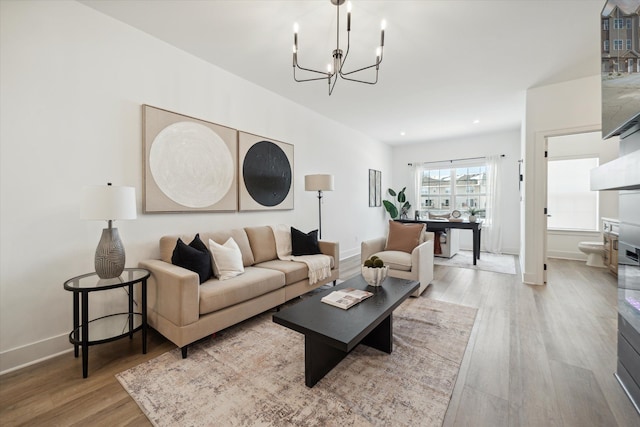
(110, 327)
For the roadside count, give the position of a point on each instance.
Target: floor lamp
(319, 183)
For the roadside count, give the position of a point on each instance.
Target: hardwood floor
(537, 356)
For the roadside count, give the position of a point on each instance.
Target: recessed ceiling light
(402, 133)
(476, 121)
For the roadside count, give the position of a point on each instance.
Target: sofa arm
(422, 260)
(333, 250)
(370, 247)
(172, 292)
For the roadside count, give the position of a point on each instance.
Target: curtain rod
(451, 161)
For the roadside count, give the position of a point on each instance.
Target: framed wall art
(189, 164)
(265, 168)
(375, 188)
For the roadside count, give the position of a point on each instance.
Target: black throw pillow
(304, 244)
(194, 257)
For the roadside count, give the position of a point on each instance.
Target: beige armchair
(416, 265)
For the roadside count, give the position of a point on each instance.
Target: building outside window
(628, 44)
(618, 23)
(605, 24)
(571, 203)
(461, 188)
(606, 46)
(617, 44)
(628, 20)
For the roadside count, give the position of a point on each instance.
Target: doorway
(573, 212)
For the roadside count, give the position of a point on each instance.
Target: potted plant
(398, 207)
(374, 271)
(472, 214)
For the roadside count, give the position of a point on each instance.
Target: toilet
(594, 252)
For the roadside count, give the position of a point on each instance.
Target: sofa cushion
(396, 260)
(403, 237)
(293, 271)
(304, 243)
(263, 243)
(227, 259)
(167, 243)
(216, 294)
(195, 257)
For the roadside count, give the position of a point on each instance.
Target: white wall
(564, 243)
(507, 143)
(558, 109)
(72, 83)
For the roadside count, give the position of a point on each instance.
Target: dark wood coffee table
(330, 333)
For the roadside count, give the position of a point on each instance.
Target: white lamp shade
(108, 202)
(320, 182)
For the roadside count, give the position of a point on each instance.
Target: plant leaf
(391, 208)
(391, 192)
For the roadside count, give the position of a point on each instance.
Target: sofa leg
(334, 282)
(184, 352)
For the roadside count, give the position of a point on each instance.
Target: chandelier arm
(326, 75)
(362, 81)
(335, 80)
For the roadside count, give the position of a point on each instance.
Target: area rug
(498, 263)
(252, 374)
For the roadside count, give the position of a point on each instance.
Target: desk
(439, 225)
(113, 326)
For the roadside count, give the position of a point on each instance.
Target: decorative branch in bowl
(374, 271)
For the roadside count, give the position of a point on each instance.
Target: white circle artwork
(191, 164)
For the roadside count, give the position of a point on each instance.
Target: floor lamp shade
(109, 203)
(319, 183)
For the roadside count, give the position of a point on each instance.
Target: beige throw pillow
(227, 259)
(403, 237)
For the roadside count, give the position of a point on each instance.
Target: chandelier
(335, 67)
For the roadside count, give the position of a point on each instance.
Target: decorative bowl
(374, 276)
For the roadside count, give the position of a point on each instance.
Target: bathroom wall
(564, 243)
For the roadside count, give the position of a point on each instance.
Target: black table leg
(144, 316)
(131, 312)
(319, 359)
(76, 322)
(479, 239)
(476, 246)
(85, 334)
(381, 338)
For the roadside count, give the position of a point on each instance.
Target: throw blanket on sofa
(319, 265)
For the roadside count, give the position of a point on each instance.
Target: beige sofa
(185, 311)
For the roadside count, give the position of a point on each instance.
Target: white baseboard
(30, 354)
(350, 253)
(571, 255)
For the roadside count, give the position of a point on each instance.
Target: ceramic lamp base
(109, 262)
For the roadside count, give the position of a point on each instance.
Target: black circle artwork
(267, 173)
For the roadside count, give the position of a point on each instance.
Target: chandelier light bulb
(383, 25)
(349, 6)
(378, 52)
(329, 69)
(296, 27)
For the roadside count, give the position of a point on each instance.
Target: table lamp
(109, 203)
(319, 183)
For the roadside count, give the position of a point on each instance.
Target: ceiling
(446, 63)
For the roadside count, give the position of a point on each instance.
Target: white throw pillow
(227, 259)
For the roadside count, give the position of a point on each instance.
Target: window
(618, 23)
(606, 46)
(617, 44)
(628, 20)
(605, 24)
(628, 44)
(461, 188)
(571, 203)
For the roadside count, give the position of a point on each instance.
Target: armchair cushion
(396, 260)
(403, 237)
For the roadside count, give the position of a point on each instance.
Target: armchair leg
(184, 352)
